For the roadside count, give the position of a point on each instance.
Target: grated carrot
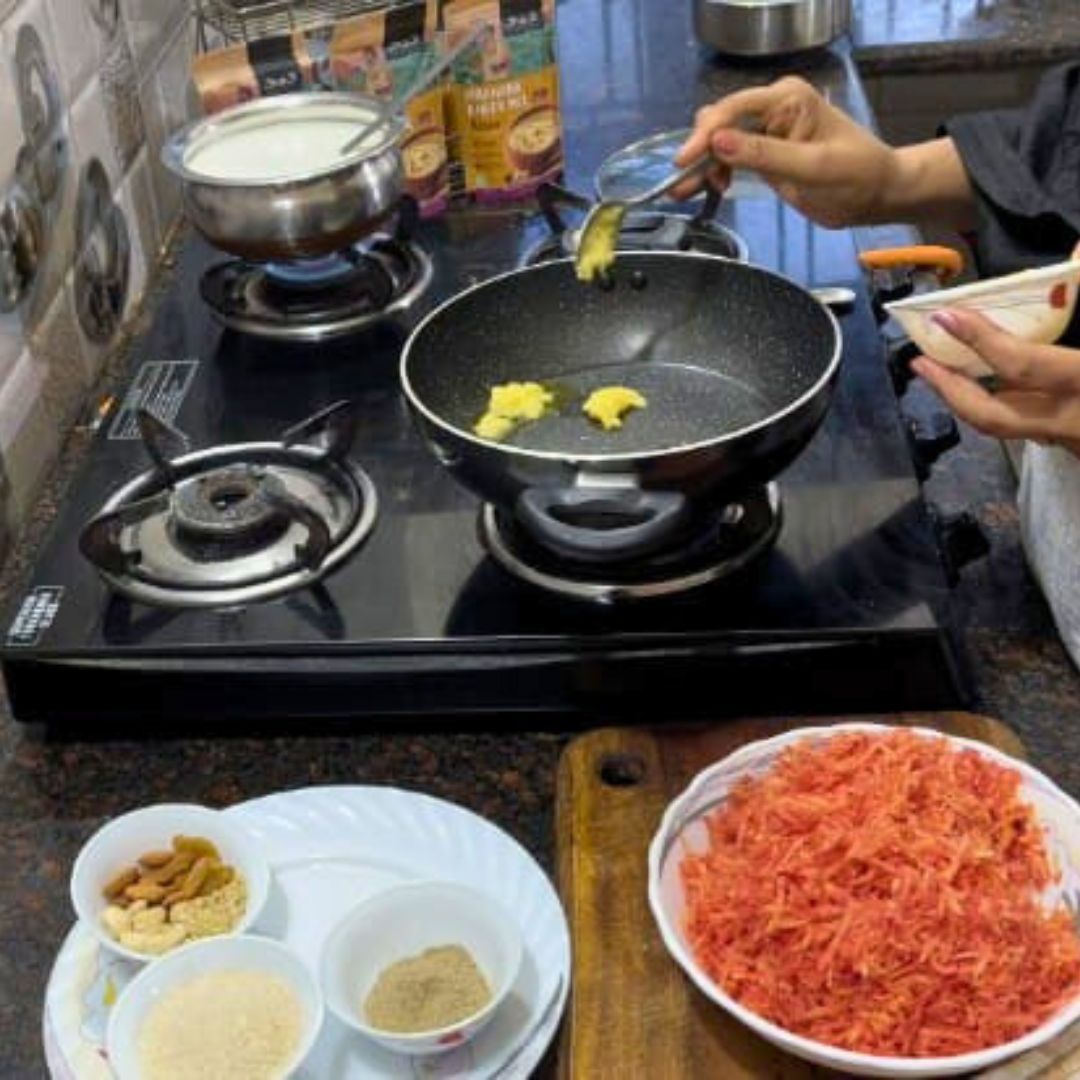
(881, 893)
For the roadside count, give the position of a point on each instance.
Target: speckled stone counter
(894, 36)
(54, 793)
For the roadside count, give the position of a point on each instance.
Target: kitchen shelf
(250, 20)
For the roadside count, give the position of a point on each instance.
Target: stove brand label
(159, 387)
(36, 615)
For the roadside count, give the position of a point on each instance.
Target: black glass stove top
(846, 612)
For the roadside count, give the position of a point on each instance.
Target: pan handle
(651, 519)
(946, 263)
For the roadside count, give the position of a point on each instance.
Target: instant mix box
(381, 53)
(504, 97)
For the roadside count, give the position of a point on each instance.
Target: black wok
(737, 365)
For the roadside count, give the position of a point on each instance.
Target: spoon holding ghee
(598, 237)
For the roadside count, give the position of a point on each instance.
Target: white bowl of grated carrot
(883, 901)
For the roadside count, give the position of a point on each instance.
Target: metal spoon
(609, 214)
(419, 85)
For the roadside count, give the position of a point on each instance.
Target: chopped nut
(148, 918)
(119, 883)
(218, 878)
(191, 880)
(197, 846)
(154, 860)
(217, 913)
(190, 886)
(179, 864)
(145, 890)
(116, 920)
(155, 941)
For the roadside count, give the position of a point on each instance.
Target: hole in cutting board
(621, 770)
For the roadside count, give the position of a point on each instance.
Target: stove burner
(318, 299)
(728, 541)
(234, 524)
(227, 503)
(313, 273)
(643, 230)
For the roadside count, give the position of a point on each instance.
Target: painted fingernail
(947, 321)
(725, 142)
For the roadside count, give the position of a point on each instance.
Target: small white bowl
(120, 842)
(244, 953)
(1034, 305)
(402, 922)
(683, 829)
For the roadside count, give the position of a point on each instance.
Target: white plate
(330, 847)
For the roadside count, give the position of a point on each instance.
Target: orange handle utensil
(945, 262)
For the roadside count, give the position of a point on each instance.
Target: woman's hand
(1039, 397)
(820, 161)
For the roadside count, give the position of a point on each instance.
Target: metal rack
(235, 21)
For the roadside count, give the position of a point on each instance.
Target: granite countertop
(894, 36)
(54, 792)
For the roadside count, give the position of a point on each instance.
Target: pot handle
(946, 263)
(654, 516)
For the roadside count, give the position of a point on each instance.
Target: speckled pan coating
(737, 365)
(715, 347)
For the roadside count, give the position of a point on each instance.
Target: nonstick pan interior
(714, 346)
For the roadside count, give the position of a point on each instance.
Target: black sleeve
(1024, 166)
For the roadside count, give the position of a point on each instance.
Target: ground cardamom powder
(437, 988)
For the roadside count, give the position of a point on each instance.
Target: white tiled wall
(118, 73)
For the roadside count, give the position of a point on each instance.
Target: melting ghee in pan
(510, 405)
(599, 239)
(608, 405)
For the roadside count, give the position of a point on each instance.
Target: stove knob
(929, 439)
(962, 541)
(898, 357)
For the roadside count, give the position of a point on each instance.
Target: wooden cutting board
(632, 1012)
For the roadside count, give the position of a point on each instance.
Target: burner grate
(322, 298)
(234, 524)
(725, 543)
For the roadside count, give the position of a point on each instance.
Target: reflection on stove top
(722, 545)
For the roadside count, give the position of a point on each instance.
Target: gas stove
(400, 596)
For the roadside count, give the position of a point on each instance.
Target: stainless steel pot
(770, 27)
(308, 211)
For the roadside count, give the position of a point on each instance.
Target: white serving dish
(1034, 305)
(122, 840)
(246, 953)
(403, 922)
(330, 848)
(683, 829)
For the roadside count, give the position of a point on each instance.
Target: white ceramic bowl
(245, 953)
(683, 829)
(1034, 305)
(406, 920)
(121, 841)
